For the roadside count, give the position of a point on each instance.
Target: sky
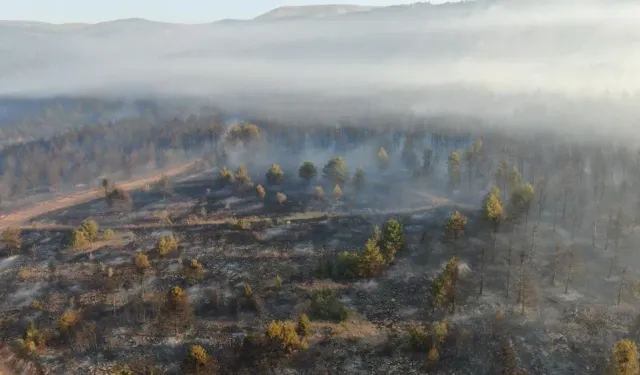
(184, 11)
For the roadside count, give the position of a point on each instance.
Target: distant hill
(312, 11)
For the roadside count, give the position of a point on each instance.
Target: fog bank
(491, 60)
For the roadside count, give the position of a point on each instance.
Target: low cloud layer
(577, 60)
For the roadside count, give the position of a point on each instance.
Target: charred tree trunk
(621, 285)
(595, 233)
(509, 257)
(556, 258)
(555, 212)
(567, 281)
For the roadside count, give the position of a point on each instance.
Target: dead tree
(595, 233)
(512, 242)
(523, 256)
(570, 265)
(621, 285)
(617, 232)
(533, 243)
(556, 262)
(483, 269)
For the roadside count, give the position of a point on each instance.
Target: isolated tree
(408, 155)
(318, 193)
(392, 239)
(90, 229)
(382, 159)
(11, 239)
(141, 262)
(513, 179)
(493, 212)
(304, 326)
(337, 193)
(336, 171)
(307, 171)
(165, 185)
(275, 175)
(198, 361)
(245, 133)
(241, 178)
(454, 226)
(427, 161)
(520, 201)
(506, 361)
(371, 259)
(260, 191)
(225, 176)
(166, 245)
(501, 175)
(177, 304)
(194, 272)
(118, 197)
(78, 239)
(624, 358)
(105, 186)
(359, 179)
(281, 198)
(472, 157)
(444, 286)
(283, 336)
(453, 167)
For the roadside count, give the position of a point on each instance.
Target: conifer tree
(453, 165)
(392, 239)
(383, 159)
(443, 287)
(307, 171)
(359, 179)
(454, 226)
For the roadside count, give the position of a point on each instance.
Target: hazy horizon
(76, 12)
(558, 63)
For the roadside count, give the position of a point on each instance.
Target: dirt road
(21, 216)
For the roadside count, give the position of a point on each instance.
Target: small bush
(275, 175)
(142, 262)
(244, 224)
(68, 320)
(195, 271)
(166, 245)
(318, 193)
(326, 306)
(11, 239)
(277, 282)
(198, 356)
(120, 197)
(90, 229)
(37, 305)
(284, 335)
(260, 191)
(26, 273)
(78, 239)
(281, 198)
(250, 300)
(31, 340)
(348, 266)
(176, 297)
(304, 326)
(225, 176)
(107, 234)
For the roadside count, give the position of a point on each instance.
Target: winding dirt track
(21, 216)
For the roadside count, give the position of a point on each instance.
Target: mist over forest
(443, 189)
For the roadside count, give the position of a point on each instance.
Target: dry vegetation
(457, 256)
